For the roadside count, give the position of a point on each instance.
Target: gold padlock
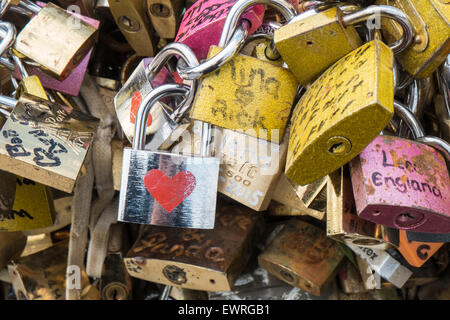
(341, 113)
(301, 255)
(431, 24)
(131, 17)
(56, 40)
(197, 259)
(165, 16)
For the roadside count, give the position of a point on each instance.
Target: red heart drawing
(169, 192)
(136, 101)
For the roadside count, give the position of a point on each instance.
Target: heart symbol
(136, 101)
(169, 192)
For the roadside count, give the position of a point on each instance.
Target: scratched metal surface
(137, 205)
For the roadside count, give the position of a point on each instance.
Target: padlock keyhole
(408, 220)
(160, 10)
(286, 276)
(339, 146)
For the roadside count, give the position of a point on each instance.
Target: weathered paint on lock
(130, 96)
(402, 184)
(415, 252)
(72, 84)
(46, 142)
(167, 189)
(343, 224)
(209, 260)
(60, 53)
(203, 22)
(431, 24)
(32, 209)
(247, 95)
(322, 40)
(303, 256)
(343, 110)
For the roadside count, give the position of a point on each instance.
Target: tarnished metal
(247, 95)
(383, 264)
(343, 110)
(402, 184)
(303, 256)
(46, 142)
(431, 23)
(59, 53)
(343, 223)
(417, 253)
(207, 260)
(165, 16)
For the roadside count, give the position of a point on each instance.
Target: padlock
(416, 253)
(327, 36)
(246, 94)
(11, 246)
(430, 22)
(343, 224)
(427, 237)
(383, 264)
(298, 197)
(350, 279)
(115, 282)
(303, 256)
(402, 183)
(371, 279)
(58, 55)
(163, 188)
(32, 209)
(342, 111)
(209, 260)
(42, 276)
(165, 16)
(29, 84)
(45, 141)
(72, 83)
(132, 19)
(202, 23)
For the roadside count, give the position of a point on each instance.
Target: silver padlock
(161, 188)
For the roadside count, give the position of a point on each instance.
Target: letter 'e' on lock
(53, 40)
(342, 111)
(209, 260)
(402, 184)
(303, 256)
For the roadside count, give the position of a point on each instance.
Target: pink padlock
(72, 84)
(403, 184)
(202, 24)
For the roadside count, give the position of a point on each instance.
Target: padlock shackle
(389, 12)
(19, 64)
(146, 105)
(30, 6)
(235, 44)
(8, 36)
(285, 8)
(4, 6)
(410, 119)
(437, 143)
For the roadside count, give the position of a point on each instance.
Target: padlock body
(301, 255)
(246, 95)
(402, 184)
(342, 111)
(312, 44)
(165, 16)
(431, 25)
(167, 189)
(130, 96)
(59, 53)
(46, 142)
(416, 252)
(209, 260)
(202, 24)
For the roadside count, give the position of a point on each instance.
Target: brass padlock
(197, 259)
(131, 17)
(115, 282)
(42, 276)
(165, 16)
(431, 24)
(342, 111)
(343, 224)
(55, 39)
(325, 37)
(303, 256)
(45, 141)
(11, 246)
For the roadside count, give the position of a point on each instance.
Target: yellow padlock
(341, 113)
(431, 24)
(246, 95)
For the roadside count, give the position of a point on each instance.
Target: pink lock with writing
(203, 22)
(403, 184)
